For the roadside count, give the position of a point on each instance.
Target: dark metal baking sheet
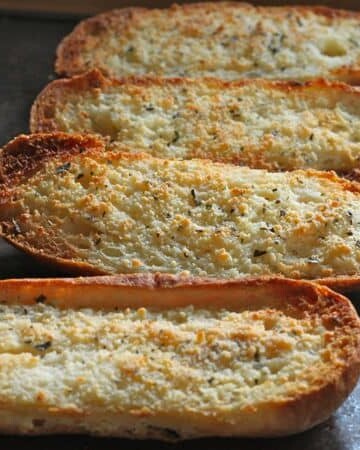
(27, 47)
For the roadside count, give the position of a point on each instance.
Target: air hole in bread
(102, 123)
(333, 47)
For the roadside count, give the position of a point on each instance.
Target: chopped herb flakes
(235, 114)
(176, 137)
(63, 168)
(44, 346)
(258, 253)
(194, 196)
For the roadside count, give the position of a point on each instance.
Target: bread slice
(227, 40)
(69, 200)
(262, 124)
(156, 356)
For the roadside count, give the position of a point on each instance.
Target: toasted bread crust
(322, 390)
(305, 125)
(68, 53)
(165, 290)
(25, 155)
(86, 47)
(51, 244)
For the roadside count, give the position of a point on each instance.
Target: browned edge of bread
(164, 291)
(22, 157)
(85, 34)
(43, 108)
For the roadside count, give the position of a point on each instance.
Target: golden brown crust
(345, 285)
(168, 290)
(63, 265)
(69, 60)
(25, 155)
(303, 409)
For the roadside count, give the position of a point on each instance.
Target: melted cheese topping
(221, 40)
(173, 360)
(124, 213)
(258, 125)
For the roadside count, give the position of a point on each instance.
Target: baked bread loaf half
(226, 40)
(69, 200)
(258, 123)
(156, 356)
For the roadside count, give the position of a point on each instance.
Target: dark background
(27, 48)
(94, 6)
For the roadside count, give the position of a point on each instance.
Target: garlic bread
(228, 40)
(69, 200)
(259, 123)
(165, 357)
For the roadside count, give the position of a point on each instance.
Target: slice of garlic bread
(171, 358)
(227, 40)
(262, 124)
(70, 200)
